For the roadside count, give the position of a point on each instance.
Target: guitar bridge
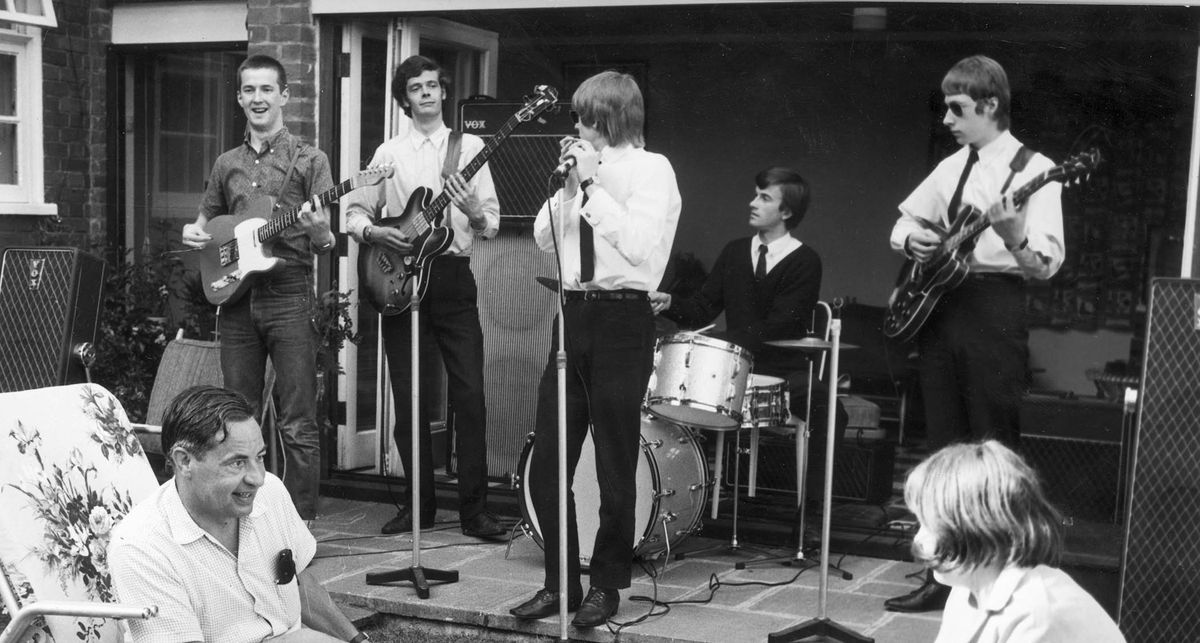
(226, 281)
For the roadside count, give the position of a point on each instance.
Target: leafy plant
(331, 317)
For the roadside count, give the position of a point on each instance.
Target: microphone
(564, 168)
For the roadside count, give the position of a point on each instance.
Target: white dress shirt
(776, 250)
(419, 161)
(634, 209)
(1044, 225)
(1027, 605)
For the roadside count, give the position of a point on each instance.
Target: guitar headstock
(372, 175)
(544, 96)
(1077, 168)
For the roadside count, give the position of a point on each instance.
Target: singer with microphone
(613, 223)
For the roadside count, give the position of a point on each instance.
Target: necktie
(760, 270)
(587, 250)
(956, 200)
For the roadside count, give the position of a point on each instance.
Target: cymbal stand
(822, 625)
(415, 574)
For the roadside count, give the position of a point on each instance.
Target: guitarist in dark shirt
(974, 354)
(274, 316)
(449, 312)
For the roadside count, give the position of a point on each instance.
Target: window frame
(11, 14)
(27, 196)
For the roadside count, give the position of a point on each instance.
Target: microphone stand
(415, 574)
(560, 361)
(822, 625)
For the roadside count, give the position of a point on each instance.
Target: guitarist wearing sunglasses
(274, 316)
(449, 312)
(973, 347)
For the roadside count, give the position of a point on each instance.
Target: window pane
(8, 153)
(29, 7)
(8, 85)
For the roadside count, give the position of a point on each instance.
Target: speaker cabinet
(523, 162)
(1160, 573)
(1076, 446)
(517, 316)
(49, 311)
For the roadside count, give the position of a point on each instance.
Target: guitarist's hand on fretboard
(923, 243)
(391, 239)
(1008, 221)
(314, 222)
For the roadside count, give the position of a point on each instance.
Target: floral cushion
(70, 469)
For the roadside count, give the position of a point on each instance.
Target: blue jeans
(275, 318)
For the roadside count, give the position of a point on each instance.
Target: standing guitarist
(974, 354)
(449, 311)
(274, 317)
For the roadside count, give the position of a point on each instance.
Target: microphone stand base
(822, 627)
(418, 576)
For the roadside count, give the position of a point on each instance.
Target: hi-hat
(808, 344)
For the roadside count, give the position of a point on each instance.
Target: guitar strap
(1019, 161)
(288, 177)
(453, 149)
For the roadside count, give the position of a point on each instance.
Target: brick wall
(284, 29)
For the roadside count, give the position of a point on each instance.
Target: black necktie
(760, 270)
(587, 251)
(956, 200)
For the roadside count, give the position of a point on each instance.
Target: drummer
(767, 285)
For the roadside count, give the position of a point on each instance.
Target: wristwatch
(328, 245)
(1020, 246)
(366, 234)
(359, 638)
(586, 183)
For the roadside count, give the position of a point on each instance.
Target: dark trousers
(610, 353)
(974, 362)
(274, 317)
(450, 316)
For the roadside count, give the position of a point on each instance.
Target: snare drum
(765, 402)
(698, 381)
(672, 479)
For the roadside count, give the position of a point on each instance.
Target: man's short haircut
(196, 419)
(262, 61)
(612, 103)
(412, 67)
(792, 187)
(981, 77)
(984, 506)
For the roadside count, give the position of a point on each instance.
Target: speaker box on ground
(1160, 573)
(49, 311)
(1076, 446)
(523, 162)
(862, 469)
(517, 316)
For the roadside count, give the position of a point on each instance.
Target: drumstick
(700, 331)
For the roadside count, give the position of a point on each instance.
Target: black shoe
(402, 523)
(483, 525)
(597, 608)
(930, 596)
(544, 603)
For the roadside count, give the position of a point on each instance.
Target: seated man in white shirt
(220, 548)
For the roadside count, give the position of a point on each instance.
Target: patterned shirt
(160, 556)
(242, 177)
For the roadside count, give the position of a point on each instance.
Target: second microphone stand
(415, 574)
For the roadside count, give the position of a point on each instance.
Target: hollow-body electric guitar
(386, 278)
(921, 285)
(241, 244)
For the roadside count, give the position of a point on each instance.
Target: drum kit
(698, 382)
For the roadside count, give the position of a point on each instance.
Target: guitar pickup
(227, 280)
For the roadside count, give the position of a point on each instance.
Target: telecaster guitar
(386, 278)
(921, 285)
(241, 244)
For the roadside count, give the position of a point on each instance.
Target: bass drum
(672, 483)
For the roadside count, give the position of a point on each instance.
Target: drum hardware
(698, 381)
(665, 494)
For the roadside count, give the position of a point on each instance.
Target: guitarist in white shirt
(973, 348)
(449, 311)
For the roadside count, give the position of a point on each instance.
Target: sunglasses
(574, 116)
(285, 567)
(955, 108)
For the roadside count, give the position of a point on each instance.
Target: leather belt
(606, 295)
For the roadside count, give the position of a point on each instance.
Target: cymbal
(808, 344)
